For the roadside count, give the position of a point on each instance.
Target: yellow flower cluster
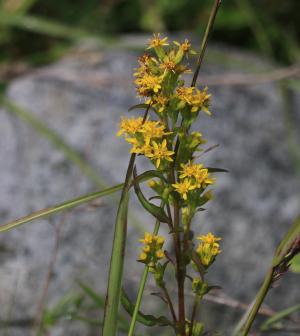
(197, 100)
(152, 250)
(147, 139)
(208, 248)
(193, 176)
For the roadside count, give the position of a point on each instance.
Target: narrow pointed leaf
(153, 209)
(279, 316)
(295, 264)
(147, 175)
(113, 295)
(138, 106)
(148, 320)
(60, 207)
(141, 107)
(44, 26)
(98, 300)
(116, 269)
(287, 242)
(217, 170)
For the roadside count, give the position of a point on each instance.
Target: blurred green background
(38, 31)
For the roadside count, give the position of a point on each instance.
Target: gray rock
(82, 98)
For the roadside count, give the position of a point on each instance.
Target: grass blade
(114, 289)
(279, 316)
(116, 269)
(55, 138)
(43, 26)
(60, 207)
(283, 254)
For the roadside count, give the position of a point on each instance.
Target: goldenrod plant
(183, 184)
(180, 184)
(164, 135)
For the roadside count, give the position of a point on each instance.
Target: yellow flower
(209, 238)
(184, 187)
(148, 238)
(208, 248)
(151, 183)
(203, 178)
(195, 98)
(159, 254)
(147, 84)
(159, 240)
(130, 126)
(200, 101)
(160, 102)
(152, 251)
(146, 248)
(143, 256)
(185, 46)
(156, 41)
(185, 94)
(168, 64)
(160, 152)
(190, 170)
(153, 129)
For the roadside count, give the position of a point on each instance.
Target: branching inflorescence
(182, 184)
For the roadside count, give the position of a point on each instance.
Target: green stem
(208, 30)
(138, 301)
(194, 312)
(170, 304)
(141, 288)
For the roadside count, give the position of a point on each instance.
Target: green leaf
(295, 264)
(138, 107)
(148, 320)
(153, 209)
(217, 170)
(278, 317)
(98, 300)
(43, 26)
(287, 243)
(64, 308)
(113, 295)
(147, 175)
(60, 207)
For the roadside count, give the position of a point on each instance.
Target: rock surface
(82, 98)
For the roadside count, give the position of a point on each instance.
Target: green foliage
(275, 322)
(268, 26)
(295, 264)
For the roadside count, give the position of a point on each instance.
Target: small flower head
(153, 129)
(130, 126)
(185, 46)
(184, 187)
(157, 41)
(152, 250)
(160, 102)
(147, 84)
(190, 169)
(160, 152)
(197, 100)
(199, 176)
(208, 248)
